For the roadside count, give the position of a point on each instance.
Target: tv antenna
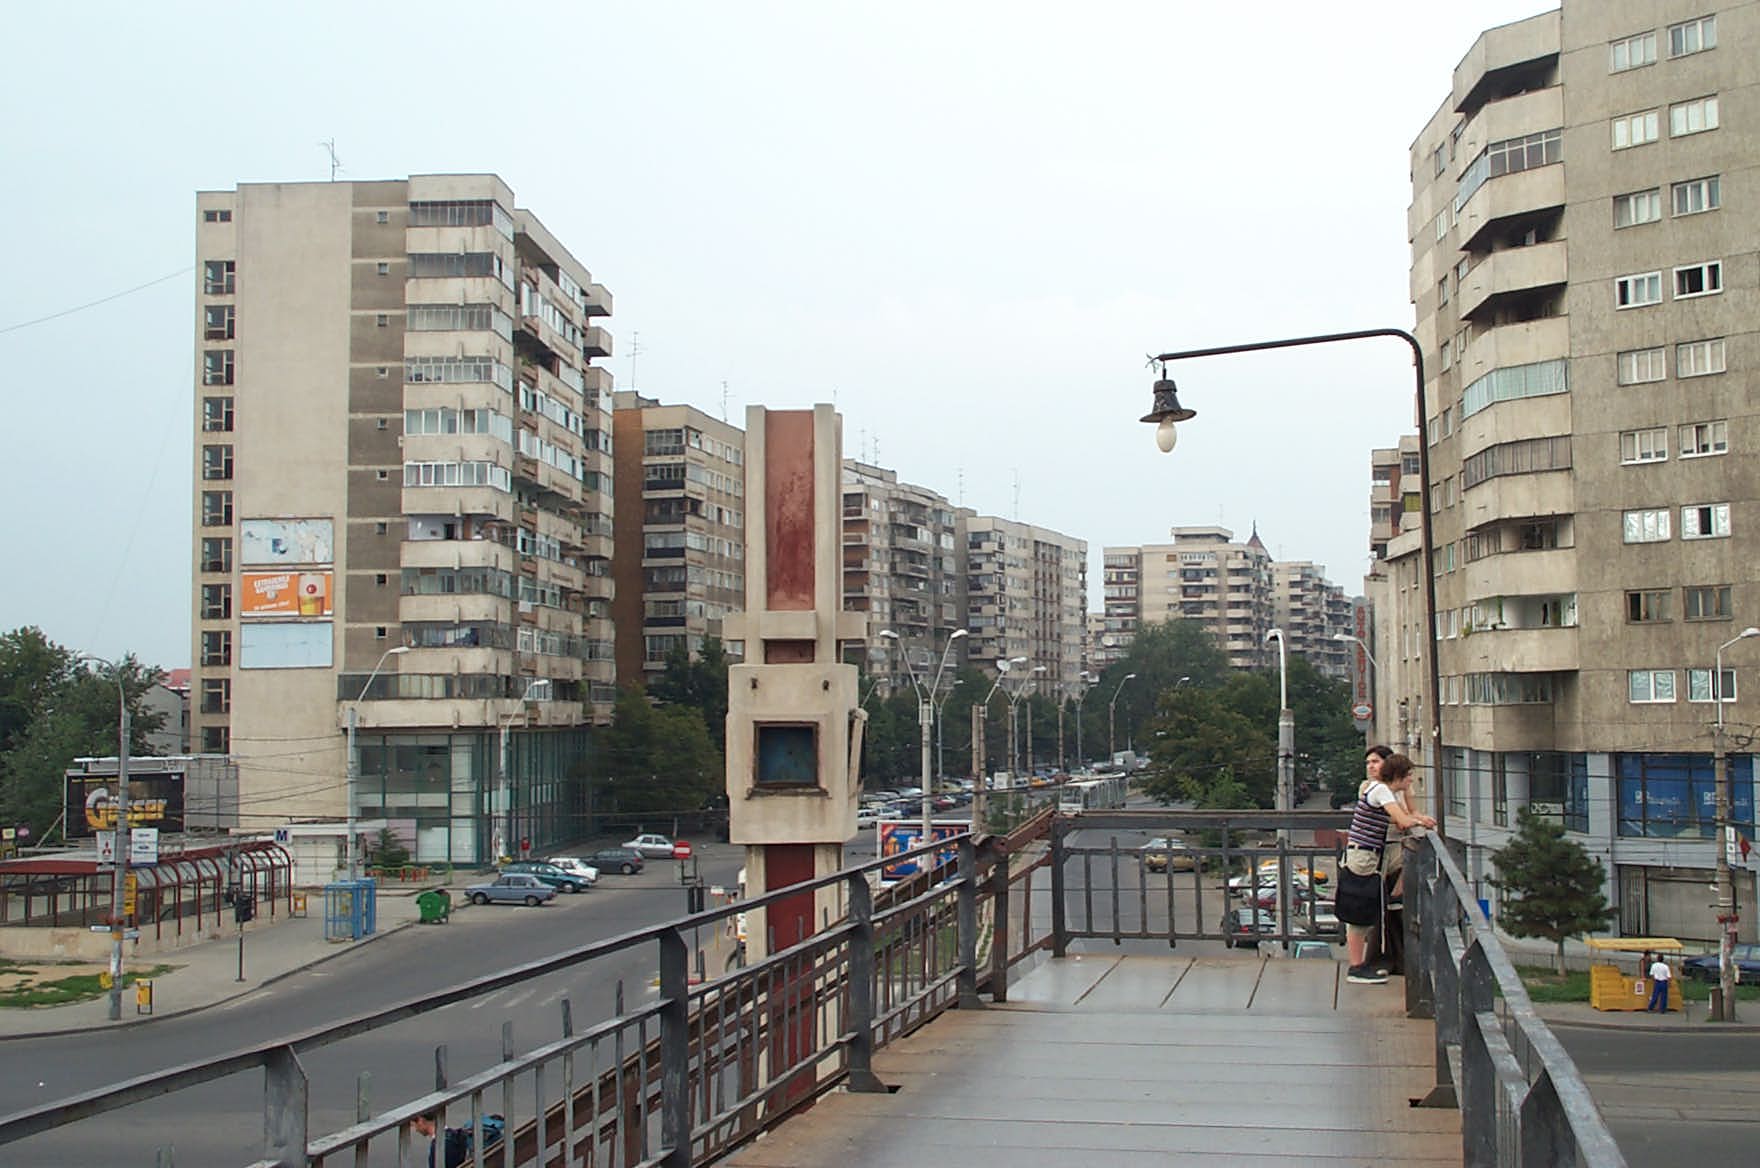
(724, 401)
(1017, 494)
(329, 145)
(635, 350)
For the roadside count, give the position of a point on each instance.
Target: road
(221, 1123)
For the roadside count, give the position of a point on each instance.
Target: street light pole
(925, 720)
(535, 691)
(1082, 681)
(1166, 411)
(354, 762)
(1726, 889)
(119, 868)
(1111, 721)
(1286, 771)
(980, 764)
(941, 708)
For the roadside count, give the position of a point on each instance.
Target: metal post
(999, 935)
(285, 1096)
(861, 988)
(354, 774)
(502, 825)
(1081, 759)
(119, 872)
(1014, 744)
(979, 763)
(1062, 763)
(926, 716)
(1059, 926)
(675, 1051)
(968, 925)
(1726, 905)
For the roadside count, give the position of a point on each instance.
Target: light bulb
(1165, 435)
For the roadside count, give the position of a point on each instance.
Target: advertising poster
(895, 839)
(285, 594)
(154, 800)
(286, 541)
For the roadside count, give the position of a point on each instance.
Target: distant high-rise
(1028, 597)
(1202, 575)
(402, 474)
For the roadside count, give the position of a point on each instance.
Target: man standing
(1660, 976)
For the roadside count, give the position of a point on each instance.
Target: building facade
(1583, 216)
(1312, 610)
(1027, 596)
(1203, 575)
(904, 568)
(403, 508)
(680, 549)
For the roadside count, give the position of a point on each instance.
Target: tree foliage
(1552, 887)
(655, 758)
(55, 708)
(698, 681)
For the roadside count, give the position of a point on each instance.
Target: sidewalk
(207, 974)
(1694, 1019)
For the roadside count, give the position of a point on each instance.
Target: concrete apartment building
(904, 568)
(1394, 493)
(679, 566)
(1202, 575)
(1311, 610)
(1583, 217)
(1027, 591)
(402, 477)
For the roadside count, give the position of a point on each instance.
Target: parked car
(1244, 926)
(867, 817)
(1265, 897)
(617, 860)
(1322, 919)
(650, 844)
(1316, 950)
(577, 866)
(1267, 878)
(511, 888)
(1746, 956)
(1312, 875)
(1161, 852)
(549, 873)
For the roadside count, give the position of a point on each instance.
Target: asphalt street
(221, 1123)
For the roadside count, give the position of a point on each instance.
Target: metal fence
(684, 1078)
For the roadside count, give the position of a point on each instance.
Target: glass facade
(1673, 795)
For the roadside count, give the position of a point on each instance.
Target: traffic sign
(681, 850)
(1363, 711)
(106, 846)
(129, 885)
(143, 845)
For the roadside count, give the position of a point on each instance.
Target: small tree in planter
(1552, 887)
(387, 851)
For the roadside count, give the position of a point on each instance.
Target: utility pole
(925, 718)
(978, 764)
(1727, 918)
(1286, 777)
(119, 875)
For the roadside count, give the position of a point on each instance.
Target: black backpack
(456, 1141)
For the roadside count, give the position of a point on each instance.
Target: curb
(1701, 1028)
(148, 1020)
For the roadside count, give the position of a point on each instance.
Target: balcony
(1515, 270)
(595, 341)
(1552, 492)
(1545, 650)
(1511, 117)
(598, 300)
(455, 553)
(1500, 51)
(1507, 198)
(1516, 344)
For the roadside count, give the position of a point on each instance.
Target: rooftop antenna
(1017, 494)
(724, 401)
(635, 350)
(329, 145)
(961, 480)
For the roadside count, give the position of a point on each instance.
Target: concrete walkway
(1105, 1060)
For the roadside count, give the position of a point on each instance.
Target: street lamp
(1021, 692)
(1374, 670)
(354, 760)
(536, 691)
(120, 848)
(1286, 772)
(1726, 891)
(1083, 680)
(980, 715)
(1166, 410)
(926, 719)
(1111, 722)
(940, 706)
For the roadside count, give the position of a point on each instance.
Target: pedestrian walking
(1373, 855)
(1660, 976)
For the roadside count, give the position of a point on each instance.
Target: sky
(964, 224)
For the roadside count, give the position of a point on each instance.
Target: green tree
(55, 708)
(1201, 734)
(1552, 887)
(698, 681)
(1160, 655)
(655, 758)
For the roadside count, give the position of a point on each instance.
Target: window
(382, 320)
(216, 216)
(1637, 290)
(1705, 521)
(1637, 366)
(379, 632)
(1509, 156)
(1706, 602)
(1650, 606)
(1646, 526)
(381, 528)
(1439, 160)
(216, 602)
(1704, 279)
(216, 508)
(1442, 291)
(1632, 52)
(1637, 207)
(1697, 195)
(460, 213)
(1692, 117)
(216, 695)
(384, 268)
(217, 415)
(217, 367)
(1692, 36)
(426, 265)
(219, 277)
(1527, 456)
(216, 647)
(1699, 358)
(1650, 685)
(456, 474)
(217, 463)
(217, 322)
(1635, 129)
(1674, 795)
(216, 740)
(1644, 445)
(1699, 687)
(1513, 381)
(458, 369)
(382, 217)
(1699, 439)
(216, 554)
(1447, 354)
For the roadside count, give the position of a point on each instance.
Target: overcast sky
(965, 224)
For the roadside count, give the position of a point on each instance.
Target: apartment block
(1027, 597)
(1312, 610)
(904, 567)
(681, 568)
(403, 508)
(1202, 575)
(1394, 493)
(1582, 225)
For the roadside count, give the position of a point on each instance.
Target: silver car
(512, 888)
(650, 844)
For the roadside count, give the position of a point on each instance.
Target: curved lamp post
(1726, 891)
(354, 761)
(1111, 720)
(119, 873)
(926, 720)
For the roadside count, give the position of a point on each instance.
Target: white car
(650, 844)
(867, 817)
(575, 866)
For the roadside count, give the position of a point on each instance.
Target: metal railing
(686, 1077)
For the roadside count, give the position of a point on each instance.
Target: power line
(94, 303)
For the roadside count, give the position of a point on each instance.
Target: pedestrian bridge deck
(1103, 1059)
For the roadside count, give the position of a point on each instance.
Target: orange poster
(304, 594)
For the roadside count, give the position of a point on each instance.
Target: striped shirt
(1370, 822)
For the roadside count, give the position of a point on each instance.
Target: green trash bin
(435, 906)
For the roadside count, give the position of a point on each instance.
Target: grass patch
(31, 992)
(1545, 985)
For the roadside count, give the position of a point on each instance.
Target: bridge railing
(681, 1079)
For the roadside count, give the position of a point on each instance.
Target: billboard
(293, 644)
(285, 594)
(896, 838)
(154, 800)
(286, 541)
